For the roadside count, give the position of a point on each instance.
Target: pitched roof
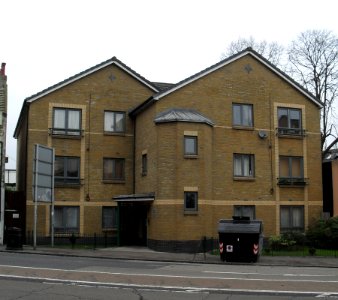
(182, 115)
(111, 61)
(222, 63)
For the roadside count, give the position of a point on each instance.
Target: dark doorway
(133, 223)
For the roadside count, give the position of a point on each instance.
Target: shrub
(323, 234)
(287, 241)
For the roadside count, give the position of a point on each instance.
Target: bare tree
(313, 62)
(271, 51)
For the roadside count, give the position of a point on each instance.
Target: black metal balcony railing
(65, 132)
(68, 182)
(292, 181)
(298, 132)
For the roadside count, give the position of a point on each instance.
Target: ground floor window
(66, 219)
(190, 201)
(245, 211)
(291, 218)
(109, 217)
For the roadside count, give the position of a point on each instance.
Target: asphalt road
(30, 276)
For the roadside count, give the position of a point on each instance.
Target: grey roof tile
(182, 115)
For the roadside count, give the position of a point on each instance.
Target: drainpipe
(134, 155)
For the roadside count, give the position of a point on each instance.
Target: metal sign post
(43, 183)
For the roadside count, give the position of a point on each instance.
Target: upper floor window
(144, 164)
(291, 170)
(245, 211)
(289, 121)
(114, 122)
(242, 115)
(67, 170)
(190, 201)
(109, 217)
(291, 218)
(190, 145)
(113, 169)
(66, 121)
(244, 165)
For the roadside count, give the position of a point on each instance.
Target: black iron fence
(75, 240)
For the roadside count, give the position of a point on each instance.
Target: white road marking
(168, 276)
(187, 289)
(269, 274)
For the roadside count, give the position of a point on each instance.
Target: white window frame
(244, 165)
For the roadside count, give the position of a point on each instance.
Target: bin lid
(232, 226)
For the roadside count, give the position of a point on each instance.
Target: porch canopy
(149, 197)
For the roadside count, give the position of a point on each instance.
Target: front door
(133, 223)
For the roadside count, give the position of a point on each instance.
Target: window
(109, 217)
(113, 169)
(190, 201)
(289, 121)
(114, 121)
(291, 218)
(66, 219)
(244, 165)
(242, 115)
(291, 170)
(66, 121)
(67, 170)
(245, 211)
(190, 145)
(144, 164)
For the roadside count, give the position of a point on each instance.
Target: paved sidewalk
(142, 253)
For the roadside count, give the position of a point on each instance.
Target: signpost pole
(52, 198)
(35, 194)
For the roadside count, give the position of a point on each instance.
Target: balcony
(292, 182)
(66, 133)
(290, 132)
(68, 182)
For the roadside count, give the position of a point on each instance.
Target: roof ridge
(88, 71)
(248, 50)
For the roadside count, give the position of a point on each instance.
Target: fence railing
(73, 240)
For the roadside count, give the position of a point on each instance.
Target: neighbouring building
(3, 132)
(330, 184)
(159, 164)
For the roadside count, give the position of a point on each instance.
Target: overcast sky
(44, 42)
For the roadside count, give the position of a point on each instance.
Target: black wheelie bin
(240, 239)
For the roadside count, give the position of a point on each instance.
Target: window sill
(239, 127)
(109, 230)
(191, 213)
(114, 181)
(191, 156)
(143, 174)
(292, 185)
(114, 133)
(236, 178)
(291, 136)
(65, 136)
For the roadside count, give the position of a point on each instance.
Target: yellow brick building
(160, 164)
